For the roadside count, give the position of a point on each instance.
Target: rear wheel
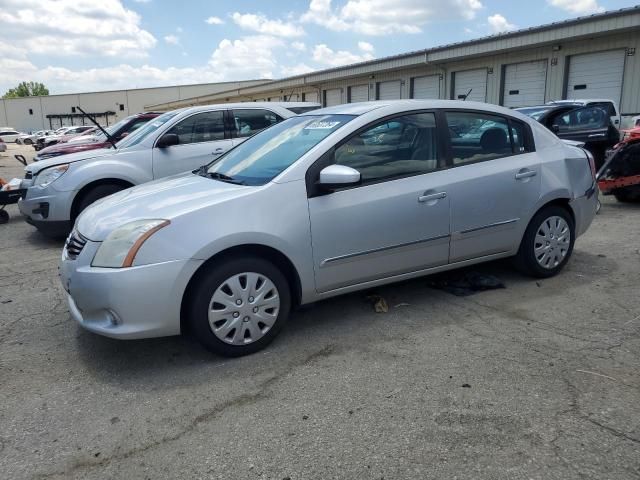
(4, 216)
(239, 306)
(547, 243)
(626, 196)
(27, 141)
(95, 194)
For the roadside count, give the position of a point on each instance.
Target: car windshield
(111, 129)
(267, 154)
(534, 112)
(148, 128)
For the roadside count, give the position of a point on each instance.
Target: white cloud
(579, 7)
(172, 39)
(365, 47)
(381, 17)
(249, 57)
(142, 1)
(261, 24)
(499, 24)
(300, 46)
(214, 21)
(75, 27)
(298, 69)
(326, 56)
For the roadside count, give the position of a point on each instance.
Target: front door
(397, 220)
(201, 139)
(494, 181)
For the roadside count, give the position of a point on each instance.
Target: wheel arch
(271, 254)
(91, 185)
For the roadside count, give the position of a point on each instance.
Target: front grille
(75, 244)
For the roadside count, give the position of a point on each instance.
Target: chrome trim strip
(491, 225)
(381, 249)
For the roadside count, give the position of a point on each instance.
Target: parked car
(589, 125)
(38, 144)
(47, 141)
(9, 135)
(620, 175)
(82, 143)
(609, 106)
(313, 207)
(60, 188)
(30, 138)
(3, 146)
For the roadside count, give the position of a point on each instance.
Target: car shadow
(344, 322)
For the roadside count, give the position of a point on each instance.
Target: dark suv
(117, 131)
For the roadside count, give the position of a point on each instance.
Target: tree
(27, 89)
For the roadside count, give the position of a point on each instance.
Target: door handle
(431, 197)
(526, 174)
(217, 151)
(596, 135)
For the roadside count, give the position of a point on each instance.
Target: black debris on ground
(463, 284)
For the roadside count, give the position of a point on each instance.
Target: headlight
(121, 246)
(50, 175)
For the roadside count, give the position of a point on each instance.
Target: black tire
(624, 196)
(4, 216)
(197, 311)
(526, 260)
(27, 141)
(95, 194)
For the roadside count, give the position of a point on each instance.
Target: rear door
(202, 138)
(493, 183)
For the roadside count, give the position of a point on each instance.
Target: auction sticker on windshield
(321, 125)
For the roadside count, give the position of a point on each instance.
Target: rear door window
(251, 121)
(476, 136)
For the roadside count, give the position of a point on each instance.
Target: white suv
(58, 189)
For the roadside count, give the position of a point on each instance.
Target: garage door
(310, 96)
(474, 80)
(332, 97)
(426, 87)
(524, 84)
(358, 93)
(596, 75)
(389, 90)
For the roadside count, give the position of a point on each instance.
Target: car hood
(36, 167)
(65, 148)
(167, 199)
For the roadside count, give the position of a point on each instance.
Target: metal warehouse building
(587, 57)
(53, 111)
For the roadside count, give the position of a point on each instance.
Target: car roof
(581, 101)
(392, 106)
(248, 105)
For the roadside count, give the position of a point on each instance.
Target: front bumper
(137, 302)
(47, 208)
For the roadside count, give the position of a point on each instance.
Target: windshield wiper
(202, 171)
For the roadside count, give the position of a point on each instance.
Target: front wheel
(95, 194)
(27, 141)
(239, 306)
(547, 243)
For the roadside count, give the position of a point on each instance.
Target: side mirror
(555, 128)
(336, 176)
(168, 140)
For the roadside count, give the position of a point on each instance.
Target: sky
(93, 45)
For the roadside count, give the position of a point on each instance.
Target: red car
(118, 131)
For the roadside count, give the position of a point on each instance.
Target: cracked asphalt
(540, 380)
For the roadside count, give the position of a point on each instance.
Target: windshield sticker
(321, 125)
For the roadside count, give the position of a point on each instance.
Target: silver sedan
(329, 202)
